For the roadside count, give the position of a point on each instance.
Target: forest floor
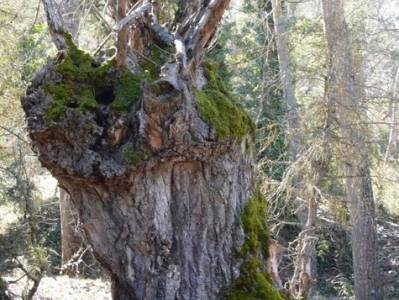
(65, 288)
(388, 241)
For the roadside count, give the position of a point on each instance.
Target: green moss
(254, 286)
(135, 155)
(104, 71)
(128, 92)
(254, 282)
(78, 65)
(249, 147)
(57, 108)
(152, 67)
(214, 80)
(55, 112)
(128, 89)
(132, 156)
(79, 75)
(87, 100)
(61, 92)
(84, 84)
(255, 227)
(220, 110)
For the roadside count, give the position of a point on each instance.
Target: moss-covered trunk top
(163, 188)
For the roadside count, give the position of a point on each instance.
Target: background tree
(344, 87)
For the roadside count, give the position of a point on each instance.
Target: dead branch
(273, 263)
(131, 17)
(202, 32)
(121, 47)
(55, 24)
(101, 18)
(73, 264)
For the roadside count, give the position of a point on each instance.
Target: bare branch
(201, 34)
(102, 44)
(55, 24)
(98, 14)
(122, 37)
(129, 19)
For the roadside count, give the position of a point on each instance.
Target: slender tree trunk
(393, 127)
(294, 122)
(273, 263)
(186, 9)
(302, 281)
(345, 88)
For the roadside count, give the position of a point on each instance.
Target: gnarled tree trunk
(168, 231)
(168, 227)
(160, 170)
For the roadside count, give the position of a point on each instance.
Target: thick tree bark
(344, 87)
(159, 186)
(169, 234)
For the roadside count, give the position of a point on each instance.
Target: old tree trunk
(157, 160)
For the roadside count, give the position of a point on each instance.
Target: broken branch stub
(202, 32)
